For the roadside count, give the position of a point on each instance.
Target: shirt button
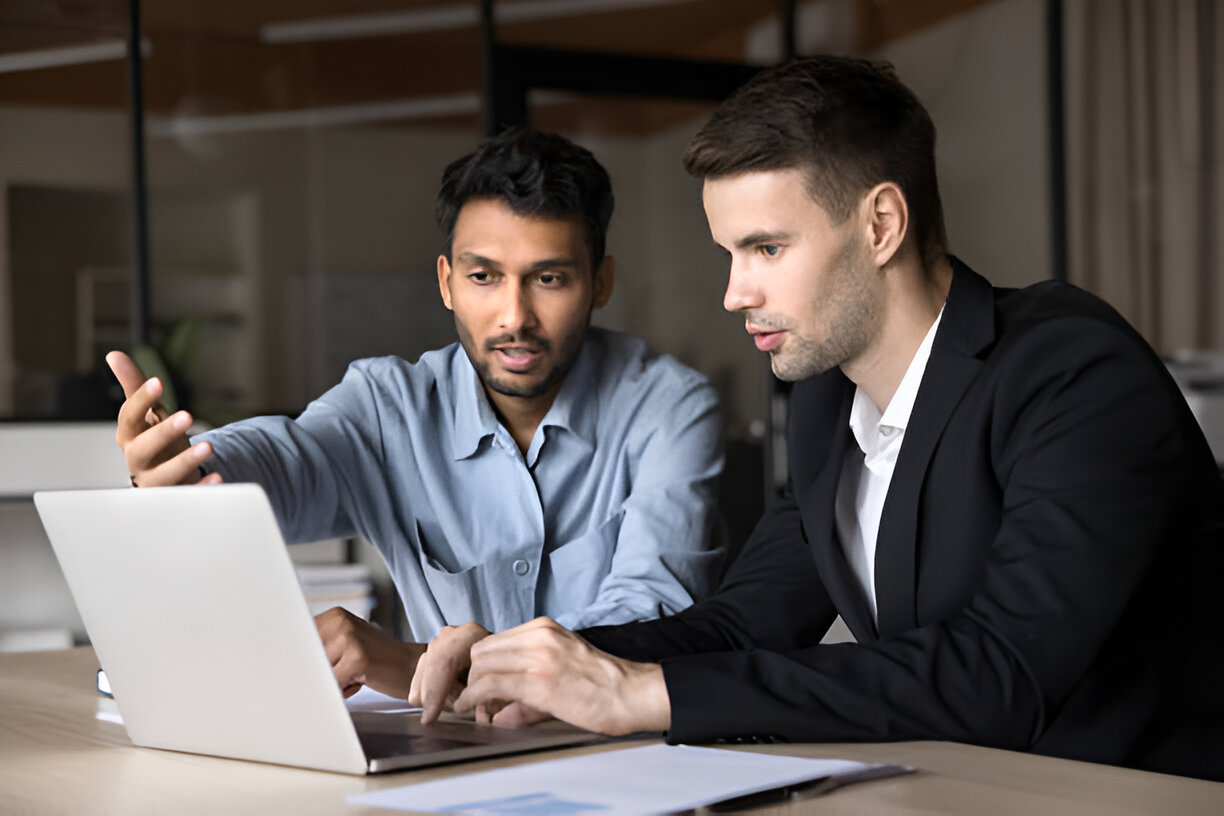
(886, 430)
(521, 567)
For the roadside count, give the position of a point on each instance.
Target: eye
(550, 279)
(769, 250)
(480, 276)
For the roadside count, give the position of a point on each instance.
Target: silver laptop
(191, 602)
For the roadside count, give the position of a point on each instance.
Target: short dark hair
(848, 123)
(536, 174)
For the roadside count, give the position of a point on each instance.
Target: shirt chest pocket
(459, 592)
(578, 567)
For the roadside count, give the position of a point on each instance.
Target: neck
(914, 295)
(522, 415)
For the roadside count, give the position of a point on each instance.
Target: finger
(442, 679)
(518, 715)
(490, 687)
(134, 414)
(414, 687)
(508, 652)
(183, 469)
(126, 371)
(158, 442)
(437, 686)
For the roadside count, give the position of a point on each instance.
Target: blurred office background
(270, 218)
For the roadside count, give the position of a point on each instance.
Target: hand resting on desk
(154, 444)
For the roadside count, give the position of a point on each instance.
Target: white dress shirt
(868, 469)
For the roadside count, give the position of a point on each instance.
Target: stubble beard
(853, 308)
(509, 388)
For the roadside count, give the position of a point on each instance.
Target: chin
(794, 372)
(525, 389)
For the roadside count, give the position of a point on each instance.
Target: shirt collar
(474, 417)
(901, 405)
(865, 417)
(574, 408)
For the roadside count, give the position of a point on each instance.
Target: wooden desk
(57, 757)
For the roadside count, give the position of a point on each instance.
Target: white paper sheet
(650, 779)
(367, 699)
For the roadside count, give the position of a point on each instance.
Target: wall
(982, 77)
(51, 148)
(358, 202)
(673, 275)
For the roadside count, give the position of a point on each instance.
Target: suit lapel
(817, 505)
(967, 326)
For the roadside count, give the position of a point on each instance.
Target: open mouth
(517, 358)
(765, 339)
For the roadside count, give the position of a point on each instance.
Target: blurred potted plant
(171, 360)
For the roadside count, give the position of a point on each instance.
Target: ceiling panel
(207, 57)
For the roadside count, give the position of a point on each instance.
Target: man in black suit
(1001, 492)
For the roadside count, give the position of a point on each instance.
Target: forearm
(291, 467)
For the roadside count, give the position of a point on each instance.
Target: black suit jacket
(1043, 565)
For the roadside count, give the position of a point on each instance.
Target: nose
(516, 311)
(742, 292)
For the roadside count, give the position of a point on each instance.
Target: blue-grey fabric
(607, 518)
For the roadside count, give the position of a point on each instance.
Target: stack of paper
(328, 585)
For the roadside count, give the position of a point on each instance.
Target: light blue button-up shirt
(607, 518)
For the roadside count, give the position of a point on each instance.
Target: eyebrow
(553, 263)
(475, 259)
(757, 238)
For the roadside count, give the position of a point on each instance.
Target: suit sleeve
(1091, 451)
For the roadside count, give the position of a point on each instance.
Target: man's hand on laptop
(542, 669)
(154, 444)
(361, 654)
(442, 670)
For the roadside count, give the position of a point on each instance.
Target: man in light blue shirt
(537, 467)
(602, 519)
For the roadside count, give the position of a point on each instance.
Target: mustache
(764, 320)
(529, 339)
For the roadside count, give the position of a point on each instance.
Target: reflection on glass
(291, 165)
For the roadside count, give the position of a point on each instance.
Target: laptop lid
(192, 605)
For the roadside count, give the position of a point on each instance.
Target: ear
(887, 221)
(605, 277)
(444, 273)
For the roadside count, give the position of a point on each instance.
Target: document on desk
(651, 779)
(367, 699)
